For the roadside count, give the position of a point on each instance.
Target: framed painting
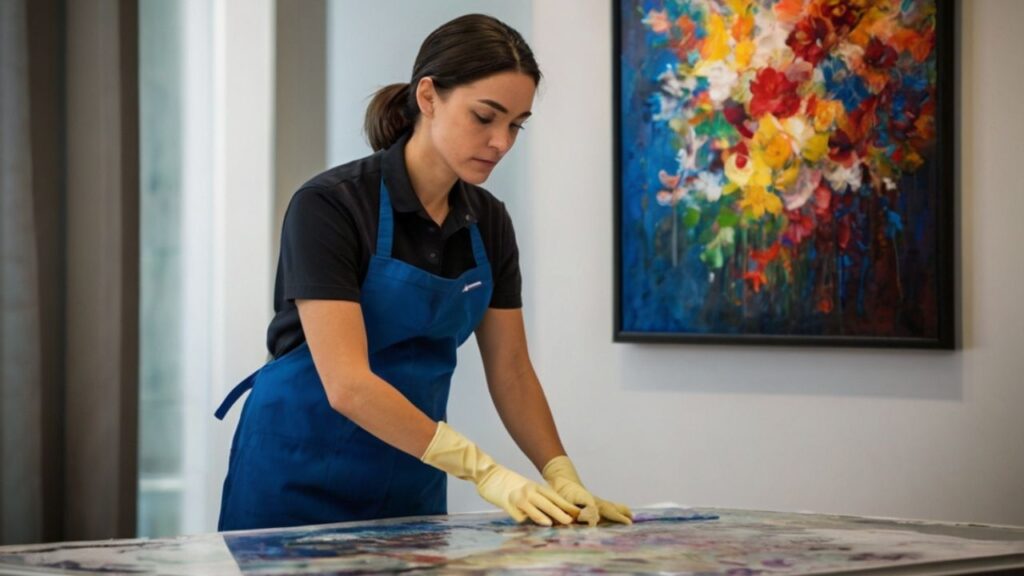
(784, 172)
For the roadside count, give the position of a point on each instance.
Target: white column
(242, 274)
(197, 223)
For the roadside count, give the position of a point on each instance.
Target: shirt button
(432, 229)
(432, 256)
(467, 217)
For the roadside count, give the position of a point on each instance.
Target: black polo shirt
(330, 232)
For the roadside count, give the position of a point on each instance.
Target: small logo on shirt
(472, 286)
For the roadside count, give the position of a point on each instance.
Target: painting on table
(670, 540)
(784, 172)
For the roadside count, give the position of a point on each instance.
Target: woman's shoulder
(349, 190)
(342, 181)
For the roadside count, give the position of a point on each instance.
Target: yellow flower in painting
(716, 43)
(815, 148)
(739, 169)
(757, 201)
(771, 145)
(912, 160)
(787, 177)
(825, 113)
(738, 7)
(742, 54)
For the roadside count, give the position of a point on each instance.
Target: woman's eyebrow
(497, 106)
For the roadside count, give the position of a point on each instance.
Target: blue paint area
(643, 518)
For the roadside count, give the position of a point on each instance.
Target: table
(663, 540)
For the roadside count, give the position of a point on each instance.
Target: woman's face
(474, 125)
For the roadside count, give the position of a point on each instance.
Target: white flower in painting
(710, 185)
(771, 42)
(687, 156)
(668, 107)
(843, 178)
(798, 130)
(671, 90)
(671, 192)
(889, 184)
(669, 83)
(721, 78)
(806, 183)
(851, 54)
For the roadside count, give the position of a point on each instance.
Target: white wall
(895, 433)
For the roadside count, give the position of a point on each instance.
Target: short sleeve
(508, 282)
(319, 248)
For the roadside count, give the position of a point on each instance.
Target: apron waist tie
(233, 396)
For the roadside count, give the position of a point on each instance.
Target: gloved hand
(562, 476)
(519, 497)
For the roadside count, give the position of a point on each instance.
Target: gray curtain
(68, 269)
(21, 499)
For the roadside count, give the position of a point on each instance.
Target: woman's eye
(482, 120)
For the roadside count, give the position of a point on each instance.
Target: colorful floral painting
(784, 171)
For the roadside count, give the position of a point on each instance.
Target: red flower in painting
(840, 147)
(811, 39)
(764, 257)
(844, 233)
(798, 228)
(823, 202)
(756, 279)
(879, 54)
(773, 94)
(737, 116)
(843, 14)
(688, 40)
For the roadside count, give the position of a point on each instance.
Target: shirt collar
(403, 197)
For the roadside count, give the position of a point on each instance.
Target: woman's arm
(520, 401)
(514, 386)
(337, 340)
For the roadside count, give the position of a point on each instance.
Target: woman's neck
(430, 177)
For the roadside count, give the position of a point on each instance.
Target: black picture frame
(942, 174)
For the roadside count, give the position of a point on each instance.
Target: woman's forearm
(523, 408)
(337, 342)
(380, 409)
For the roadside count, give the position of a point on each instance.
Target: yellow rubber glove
(562, 476)
(521, 498)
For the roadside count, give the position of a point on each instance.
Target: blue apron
(295, 460)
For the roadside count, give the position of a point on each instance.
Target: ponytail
(388, 116)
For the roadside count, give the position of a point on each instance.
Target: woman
(387, 265)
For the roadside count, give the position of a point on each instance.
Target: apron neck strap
(385, 223)
(479, 253)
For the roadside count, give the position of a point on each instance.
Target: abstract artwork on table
(661, 541)
(783, 172)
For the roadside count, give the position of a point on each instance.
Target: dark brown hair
(461, 51)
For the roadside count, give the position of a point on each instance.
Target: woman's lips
(486, 162)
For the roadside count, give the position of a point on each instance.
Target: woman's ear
(426, 96)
